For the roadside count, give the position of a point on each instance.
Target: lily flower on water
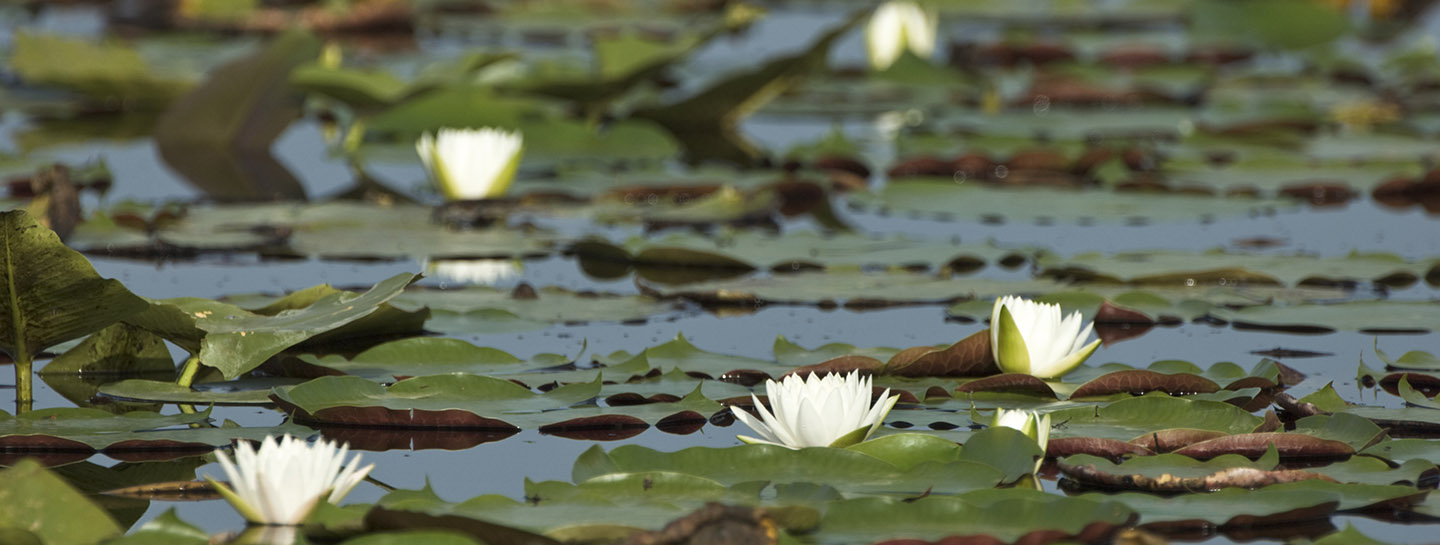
(896, 26)
(468, 164)
(1032, 338)
(828, 411)
(282, 482)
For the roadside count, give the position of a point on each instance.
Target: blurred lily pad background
(1243, 195)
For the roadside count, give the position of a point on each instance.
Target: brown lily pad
(1174, 439)
(1111, 313)
(1291, 446)
(1016, 383)
(383, 439)
(971, 357)
(1140, 381)
(1429, 385)
(1112, 449)
(1235, 477)
(866, 365)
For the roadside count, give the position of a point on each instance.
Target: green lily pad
(1238, 507)
(1016, 514)
(1222, 268)
(849, 471)
(1415, 359)
(202, 394)
(165, 529)
(235, 340)
(434, 401)
(85, 430)
(103, 74)
(1135, 417)
(1362, 316)
(41, 503)
(947, 199)
(473, 308)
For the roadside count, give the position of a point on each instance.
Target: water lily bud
(896, 26)
(1032, 338)
(468, 164)
(829, 411)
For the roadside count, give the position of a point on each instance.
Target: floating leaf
(437, 401)
(41, 503)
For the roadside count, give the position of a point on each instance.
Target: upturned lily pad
(1418, 360)
(235, 340)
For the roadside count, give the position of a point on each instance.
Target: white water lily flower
(1031, 338)
(829, 411)
(896, 26)
(282, 482)
(470, 163)
(480, 272)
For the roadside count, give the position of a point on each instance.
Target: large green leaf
(39, 502)
(51, 292)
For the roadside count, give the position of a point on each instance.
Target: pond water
(1041, 222)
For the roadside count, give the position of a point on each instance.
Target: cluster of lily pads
(931, 443)
(954, 433)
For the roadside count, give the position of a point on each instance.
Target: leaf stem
(24, 382)
(188, 372)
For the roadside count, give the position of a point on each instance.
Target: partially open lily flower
(1034, 425)
(829, 411)
(468, 164)
(282, 482)
(898, 25)
(1032, 338)
(480, 272)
